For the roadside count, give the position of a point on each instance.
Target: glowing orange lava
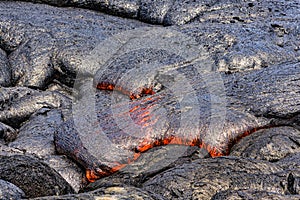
(144, 119)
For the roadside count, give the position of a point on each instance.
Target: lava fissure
(132, 95)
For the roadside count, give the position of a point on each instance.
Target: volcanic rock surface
(246, 54)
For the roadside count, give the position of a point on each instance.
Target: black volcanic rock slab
(178, 12)
(255, 100)
(117, 192)
(40, 179)
(151, 163)
(252, 194)
(18, 108)
(5, 71)
(7, 133)
(248, 46)
(44, 40)
(271, 144)
(35, 137)
(48, 48)
(202, 179)
(10, 191)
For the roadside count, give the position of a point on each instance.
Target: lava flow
(145, 145)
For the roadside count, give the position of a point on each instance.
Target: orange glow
(117, 168)
(134, 108)
(143, 116)
(148, 91)
(132, 96)
(105, 86)
(146, 118)
(91, 176)
(136, 156)
(145, 147)
(148, 144)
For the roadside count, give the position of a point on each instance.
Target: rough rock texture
(204, 178)
(252, 194)
(5, 71)
(47, 53)
(36, 138)
(32, 176)
(270, 144)
(150, 164)
(10, 191)
(7, 133)
(43, 40)
(38, 133)
(58, 44)
(171, 12)
(18, 108)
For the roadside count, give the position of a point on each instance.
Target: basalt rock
(47, 49)
(10, 191)
(18, 108)
(149, 164)
(7, 133)
(178, 12)
(118, 192)
(271, 144)
(40, 179)
(204, 178)
(251, 194)
(31, 63)
(5, 71)
(290, 162)
(35, 138)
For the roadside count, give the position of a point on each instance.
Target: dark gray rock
(176, 12)
(239, 47)
(32, 176)
(111, 138)
(8, 151)
(10, 94)
(7, 133)
(31, 63)
(203, 178)
(270, 144)
(182, 12)
(19, 106)
(117, 192)
(271, 89)
(71, 172)
(290, 162)
(41, 51)
(149, 164)
(36, 138)
(125, 8)
(10, 191)
(44, 46)
(154, 11)
(48, 47)
(5, 70)
(252, 194)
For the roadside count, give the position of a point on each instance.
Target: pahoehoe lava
(255, 100)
